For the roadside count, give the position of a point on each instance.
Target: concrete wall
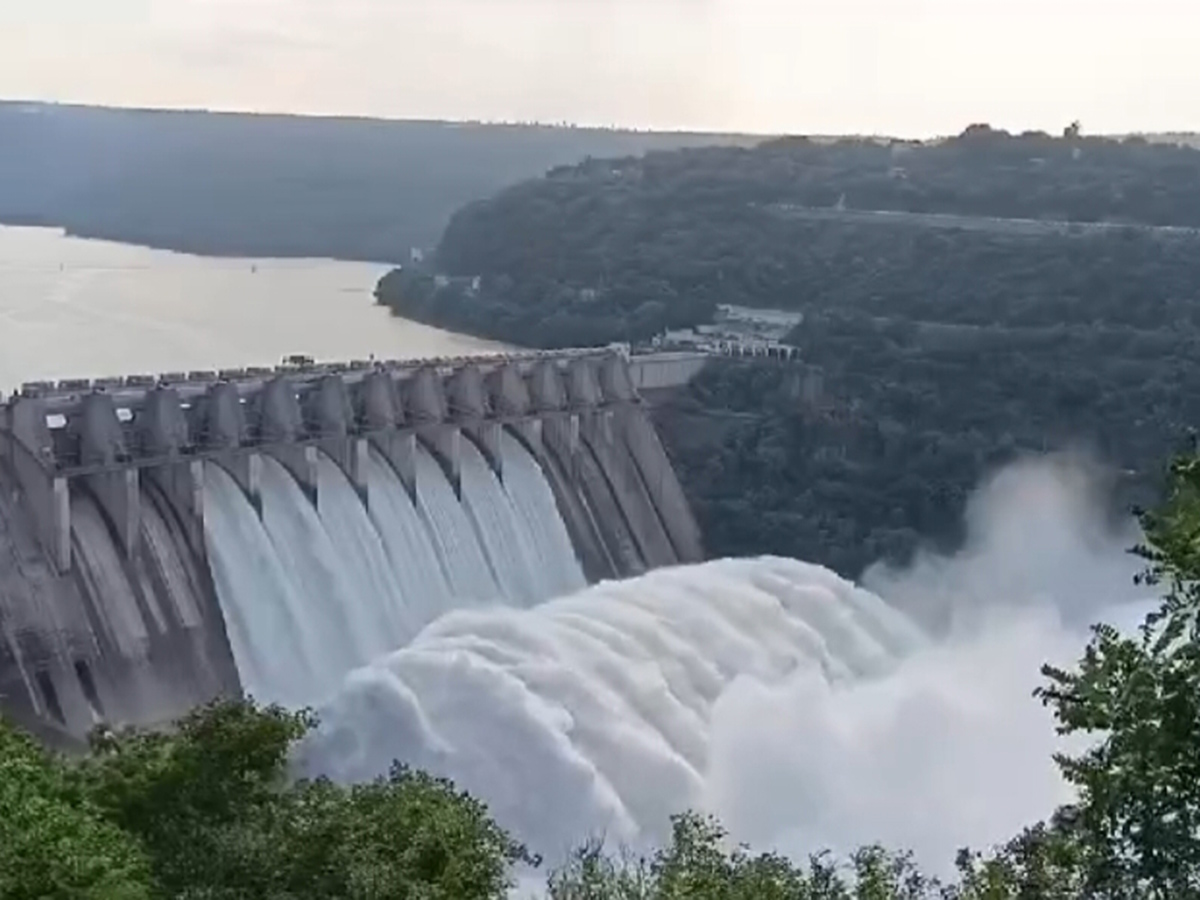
(133, 639)
(658, 371)
(107, 608)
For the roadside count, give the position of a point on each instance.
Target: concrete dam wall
(153, 530)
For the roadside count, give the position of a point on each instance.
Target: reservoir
(75, 308)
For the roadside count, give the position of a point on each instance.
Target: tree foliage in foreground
(1139, 813)
(1041, 864)
(53, 843)
(208, 812)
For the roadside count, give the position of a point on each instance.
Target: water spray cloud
(804, 711)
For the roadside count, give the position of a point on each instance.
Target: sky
(901, 67)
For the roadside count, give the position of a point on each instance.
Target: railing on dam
(134, 441)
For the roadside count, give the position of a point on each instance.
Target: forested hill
(987, 311)
(620, 249)
(272, 185)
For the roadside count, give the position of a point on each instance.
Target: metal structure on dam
(104, 479)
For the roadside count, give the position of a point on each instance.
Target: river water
(74, 308)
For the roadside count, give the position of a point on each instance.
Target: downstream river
(74, 308)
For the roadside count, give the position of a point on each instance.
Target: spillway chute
(424, 582)
(276, 649)
(312, 592)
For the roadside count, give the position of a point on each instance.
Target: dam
(158, 532)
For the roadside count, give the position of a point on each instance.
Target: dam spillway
(168, 540)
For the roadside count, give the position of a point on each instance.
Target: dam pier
(111, 604)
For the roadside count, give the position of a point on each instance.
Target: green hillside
(264, 185)
(964, 302)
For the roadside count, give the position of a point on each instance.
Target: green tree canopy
(207, 811)
(53, 844)
(1139, 810)
(976, 299)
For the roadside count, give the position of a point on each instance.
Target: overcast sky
(910, 67)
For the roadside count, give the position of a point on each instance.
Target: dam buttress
(109, 610)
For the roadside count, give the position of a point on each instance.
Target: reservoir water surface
(74, 308)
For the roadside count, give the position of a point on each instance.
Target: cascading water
(493, 518)
(336, 603)
(406, 540)
(601, 701)
(311, 593)
(470, 576)
(531, 497)
(529, 559)
(275, 644)
(388, 622)
(807, 713)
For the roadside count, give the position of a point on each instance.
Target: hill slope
(272, 185)
(1017, 294)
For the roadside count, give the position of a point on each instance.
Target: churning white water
(591, 714)
(806, 712)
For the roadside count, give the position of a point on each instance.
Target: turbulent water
(311, 593)
(452, 630)
(807, 712)
(591, 713)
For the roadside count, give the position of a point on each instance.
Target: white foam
(593, 712)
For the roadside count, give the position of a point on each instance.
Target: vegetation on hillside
(208, 811)
(267, 185)
(877, 441)
(932, 349)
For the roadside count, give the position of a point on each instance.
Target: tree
(1138, 816)
(698, 865)
(214, 807)
(1044, 862)
(54, 846)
